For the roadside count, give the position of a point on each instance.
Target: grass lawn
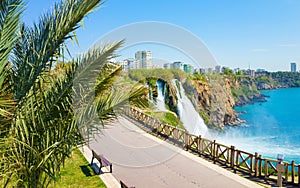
(77, 173)
(167, 118)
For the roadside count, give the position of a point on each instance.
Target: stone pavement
(142, 160)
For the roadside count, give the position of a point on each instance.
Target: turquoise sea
(271, 128)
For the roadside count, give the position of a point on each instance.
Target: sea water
(271, 127)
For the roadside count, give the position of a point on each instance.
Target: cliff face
(218, 95)
(214, 101)
(244, 91)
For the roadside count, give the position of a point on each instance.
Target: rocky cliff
(214, 100)
(245, 91)
(217, 95)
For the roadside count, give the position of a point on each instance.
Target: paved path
(142, 160)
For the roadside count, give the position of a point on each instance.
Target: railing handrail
(253, 164)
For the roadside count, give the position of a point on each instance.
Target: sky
(245, 33)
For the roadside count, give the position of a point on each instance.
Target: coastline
(273, 124)
(259, 98)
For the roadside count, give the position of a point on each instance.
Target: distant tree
(239, 73)
(228, 71)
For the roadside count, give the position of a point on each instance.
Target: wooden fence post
(266, 168)
(228, 156)
(158, 127)
(186, 140)
(256, 165)
(286, 172)
(167, 130)
(175, 133)
(232, 152)
(293, 171)
(214, 152)
(260, 165)
(199, 145)
(237, 158)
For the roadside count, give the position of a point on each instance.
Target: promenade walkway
(142, 160)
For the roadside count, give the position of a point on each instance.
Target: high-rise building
(144, 59)
(218, 69)
(293, 67)
(178, 65)
(188, 68)
(167, 66)
(124, 64)
(251, 72)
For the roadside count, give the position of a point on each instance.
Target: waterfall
(190, 118)
(150, 97)
(160, 100)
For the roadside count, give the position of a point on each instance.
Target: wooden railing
(238, 160)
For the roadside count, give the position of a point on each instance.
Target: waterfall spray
(192, 121)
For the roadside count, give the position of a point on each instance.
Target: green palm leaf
(10, 11)
(39, 45)
(45, 113)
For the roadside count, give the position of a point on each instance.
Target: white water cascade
(160, 100)
(190, 118)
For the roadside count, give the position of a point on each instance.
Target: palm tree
(44, 116)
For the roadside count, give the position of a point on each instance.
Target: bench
(102, 160)
(123, 185)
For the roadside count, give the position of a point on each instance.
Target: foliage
(199, 77)
(178, 87)
(205, 117)
(169, 118)
(228, 72)
(10, 12)
(245, 89)
(77, 173)
(239, 73)
(45, 113)
(164, 74)
(279, 79)
(259, 80)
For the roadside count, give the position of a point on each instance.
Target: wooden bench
(123, 185)
(102, 160)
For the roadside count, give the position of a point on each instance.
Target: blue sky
(259, 33)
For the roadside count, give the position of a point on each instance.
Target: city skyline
(143, 60)
(262, 34)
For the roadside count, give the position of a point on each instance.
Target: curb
(108, 179)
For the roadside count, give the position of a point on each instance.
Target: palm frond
(10, 11)
(90, 63)
(111, 104)
(88, 67)
(38, 45)
(107, 77)
(45, 132)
